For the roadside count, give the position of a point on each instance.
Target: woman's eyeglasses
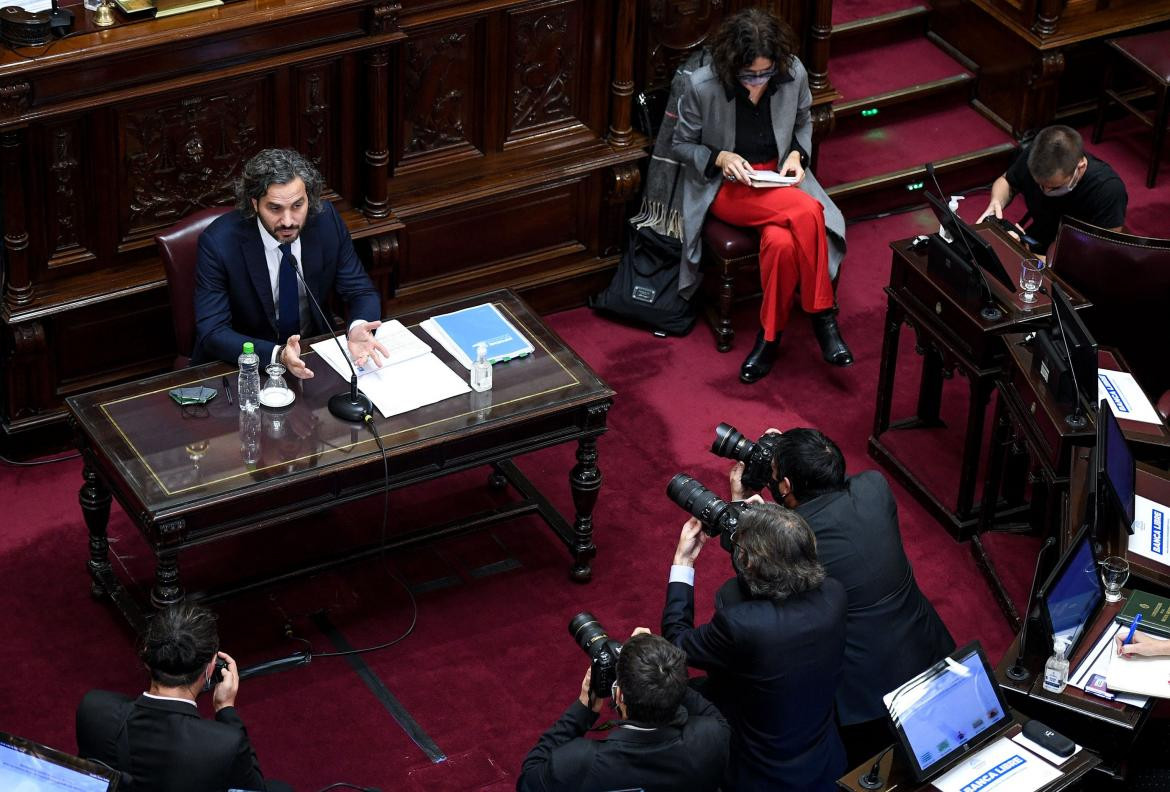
(756, 77)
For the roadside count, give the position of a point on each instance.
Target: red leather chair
(178, 247)
(729, 250)
(1127, 278)
(1148, 56)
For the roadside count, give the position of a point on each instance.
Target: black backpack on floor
(645, 287)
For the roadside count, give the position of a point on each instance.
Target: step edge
(901, 95)
(891, 18)
(882, 180)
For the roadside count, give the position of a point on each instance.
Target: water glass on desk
(1031, 277)
(1114, 573)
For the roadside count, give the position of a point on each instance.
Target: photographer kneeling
(774, 657)
(669, 738)
(891, 630)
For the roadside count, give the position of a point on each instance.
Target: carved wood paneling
(439, 91)
(543, 66)
(184, 153)
(315, 116)
(673, 29)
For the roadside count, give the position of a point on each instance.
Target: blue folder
(483, 324)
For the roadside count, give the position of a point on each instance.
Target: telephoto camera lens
(716, 514)
(602, 650)
(756, 457)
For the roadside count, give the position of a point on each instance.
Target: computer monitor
(1116, 468)
(30, 767)
(947, 712)
(1066, 353)
(968, 243)
(1073, 594)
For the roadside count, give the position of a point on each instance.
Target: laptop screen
(947, 711)
(28, 767)
(1073, 593)
(1118, 464)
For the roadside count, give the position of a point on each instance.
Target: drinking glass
(1114, 573)
(276, 392)
(1031, 277)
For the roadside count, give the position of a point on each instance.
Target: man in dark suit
(892, 632)
(247, 286)
(158, 741)
(670, 738)
(774, 657)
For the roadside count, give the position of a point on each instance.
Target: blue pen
(1136, 621)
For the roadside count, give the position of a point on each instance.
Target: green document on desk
(1155, 612)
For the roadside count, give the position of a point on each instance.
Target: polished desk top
(169, 461)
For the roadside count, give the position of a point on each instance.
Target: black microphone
(350, 405)
(1017, 672)
(1076, 419)
(873, 779)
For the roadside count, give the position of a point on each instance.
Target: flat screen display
(1073, 593)
(947, 711)
(1118, 464)
(26, 767)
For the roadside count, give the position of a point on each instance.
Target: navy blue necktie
(289, 310)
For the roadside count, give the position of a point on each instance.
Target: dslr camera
(719, 517)
(602, 650)
(756, 457)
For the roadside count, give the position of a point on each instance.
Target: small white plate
(277, 397)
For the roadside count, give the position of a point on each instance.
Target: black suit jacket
(687, 756)
(773, 668)
(168, 746)
(892, 632)
(233, 292)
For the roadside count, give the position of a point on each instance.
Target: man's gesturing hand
(363, 346)
(290, 356)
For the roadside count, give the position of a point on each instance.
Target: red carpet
(851, 10)
(490, 663)
(865, 72)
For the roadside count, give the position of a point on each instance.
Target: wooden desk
(1108, 727)
(1026, 414)
(950, 334)
(894, 773)
(183, 481)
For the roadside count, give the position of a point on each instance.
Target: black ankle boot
(828, 335)
(759, 361)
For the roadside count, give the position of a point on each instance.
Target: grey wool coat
(706, 117)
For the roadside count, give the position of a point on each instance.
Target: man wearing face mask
(1058, 178)
(891, 630)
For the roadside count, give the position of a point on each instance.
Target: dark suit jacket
(168, 745)
(687, 756)
(233, 293)
(773, 668)
(891, 630)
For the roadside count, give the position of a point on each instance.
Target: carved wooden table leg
(167, 590)
(585, 479)
(95, 508)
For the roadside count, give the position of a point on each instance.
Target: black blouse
(755, 138)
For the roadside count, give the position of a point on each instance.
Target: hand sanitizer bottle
(1056, 669)
(954, 207)
(481, 370)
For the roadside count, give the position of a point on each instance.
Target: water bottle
(249, 383)
(250, 436)
(1056, 669)
(481, 370)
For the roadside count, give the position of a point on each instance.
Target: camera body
(717, 515)
(757, 457)
(602, 650)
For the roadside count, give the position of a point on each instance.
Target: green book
(1155, 612)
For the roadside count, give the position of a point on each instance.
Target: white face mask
(1066, 189)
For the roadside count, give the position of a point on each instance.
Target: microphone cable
(369, 423)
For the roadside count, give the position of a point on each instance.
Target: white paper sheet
(1125, 396)
(1003, 766)
(1149, 675)
(1149, 530)
(399, 387)
(1097, 662)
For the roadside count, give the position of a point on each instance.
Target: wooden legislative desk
(181, 477)
(1108, 727)
(894, 777)
(950, 335)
